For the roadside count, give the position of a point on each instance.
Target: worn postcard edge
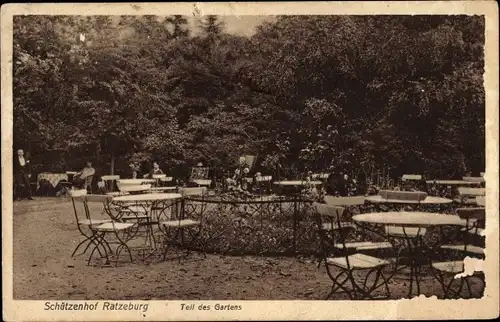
(417, 308)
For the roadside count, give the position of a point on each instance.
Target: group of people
(338, 182)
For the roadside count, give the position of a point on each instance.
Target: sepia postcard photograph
(250, 161)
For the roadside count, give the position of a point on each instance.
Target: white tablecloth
(53, 178)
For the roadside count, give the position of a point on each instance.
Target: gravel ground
(45, 236)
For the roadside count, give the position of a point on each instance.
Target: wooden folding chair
(85, 224)
(345, 259)
(475, 223)
(121, 231)
(183, 224)
(348, 203)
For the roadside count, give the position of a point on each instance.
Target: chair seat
(116, 226)
(88, 222)
(357, 261)
(365, 245)
(404, 231)
(470, 248)
(180, 223)
(453, 267)
(328, 226)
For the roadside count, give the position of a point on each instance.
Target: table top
(453, 182)
(134, 188)
(149, 197)
(203, 182)
(405, 218)
(162, 188)
(135, 181)
(297, 183)
(427, 201)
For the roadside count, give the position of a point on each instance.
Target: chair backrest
(250, 160)
(331, 231)
(344, 201)
(411, 177)
(466, 191)
(166, 179)
(79, 209)
(403, 195)
(203, 182)
(110, 177)
(199, 173)
(159, 176)
(333, 212)
(478, 213)
(320, 176)
(197, 191)
(473, 179)
(480, 201)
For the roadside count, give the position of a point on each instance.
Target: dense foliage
(363, 92)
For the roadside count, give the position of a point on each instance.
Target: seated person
(336, 185)
(155, 170)
(80, 177)
(131, 172)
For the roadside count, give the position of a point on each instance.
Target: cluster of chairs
(110, 228)
(379, 258)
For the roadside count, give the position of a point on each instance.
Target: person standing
(22, 175)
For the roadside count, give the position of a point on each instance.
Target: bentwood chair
(343, 263)
(85, 224)
(182, 224)
(475, 222)
(109, 233)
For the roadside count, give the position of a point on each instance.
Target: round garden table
(135, 181)
(297, 183)
(134, 189)
(418, 250)
(454, 182)
(409, 218)
(161, 189)
(429, 200)
(151, 203)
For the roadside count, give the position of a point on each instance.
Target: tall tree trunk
(112, 164)
(112, 169)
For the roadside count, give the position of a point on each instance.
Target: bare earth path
(45, 235)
